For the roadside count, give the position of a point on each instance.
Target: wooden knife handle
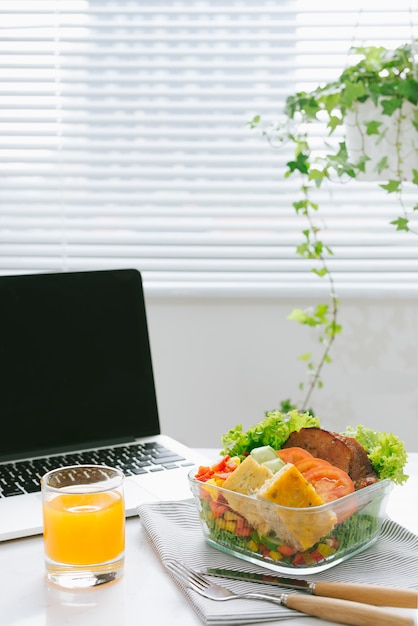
(345, 612)
(369, 594)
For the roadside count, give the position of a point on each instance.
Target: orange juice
(84, 529)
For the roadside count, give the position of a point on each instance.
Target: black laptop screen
(75, 362)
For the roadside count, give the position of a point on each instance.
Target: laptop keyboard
(17, 477)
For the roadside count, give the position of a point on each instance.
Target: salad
(385, 451)
(266, 500)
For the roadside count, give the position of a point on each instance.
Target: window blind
(124, 142)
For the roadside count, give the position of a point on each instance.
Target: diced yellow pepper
(213, 493)
(325, 549)
(252, 545)
(231, 516)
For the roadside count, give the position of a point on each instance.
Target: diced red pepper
(217, 509)
(204, 494)
(299, 559)
(221, 470)
(264, 550)
(222, 475)
(204, 473)
(241, 523)
(286, 550)
(317, 556)
(220, 466)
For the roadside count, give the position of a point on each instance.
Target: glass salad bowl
(288, 539)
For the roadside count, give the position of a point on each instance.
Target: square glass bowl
(286, 539)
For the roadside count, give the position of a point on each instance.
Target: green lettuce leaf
(272, 431)
(385, 451)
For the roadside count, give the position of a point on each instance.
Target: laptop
(77, 386)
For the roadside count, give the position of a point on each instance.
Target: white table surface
(145, 595)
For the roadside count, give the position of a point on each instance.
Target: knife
(378, 595)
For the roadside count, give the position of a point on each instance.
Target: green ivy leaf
(287, 405)
(321, 309)
(361, 163)
(320, 272)
(300, 164)
(409, 90)
(353, 91)
(318, 248)
(340, 161)
(317, 175)
(301, 205)
(401, 223)
(254, 122)
(297, 315)
(304, 251)
(392, 186)
(302, 102)
(390, 106)
(334, 122)
(382, 165)
(372, 128)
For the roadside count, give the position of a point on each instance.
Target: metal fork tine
(187, 575)
(194, 575)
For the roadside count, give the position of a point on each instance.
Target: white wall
(221, 362)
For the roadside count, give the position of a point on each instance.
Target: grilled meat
(343, 452)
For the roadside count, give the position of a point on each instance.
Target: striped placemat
(174, 530)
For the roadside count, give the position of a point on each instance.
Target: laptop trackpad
(159, 486)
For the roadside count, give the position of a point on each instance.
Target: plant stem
(331, 327)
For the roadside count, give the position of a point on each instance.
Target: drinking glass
(84, 525)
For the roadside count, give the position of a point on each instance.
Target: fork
(330, 609)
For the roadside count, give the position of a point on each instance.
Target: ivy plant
(385, 81)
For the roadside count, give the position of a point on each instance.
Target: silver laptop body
(77, 385)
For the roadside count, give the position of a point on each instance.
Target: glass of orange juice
(84, 525)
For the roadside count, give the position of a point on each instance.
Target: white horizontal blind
(123, 143)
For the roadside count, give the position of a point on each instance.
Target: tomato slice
(293, 455)
(329, 482)
(306, 464)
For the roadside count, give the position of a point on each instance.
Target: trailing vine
(387, 79)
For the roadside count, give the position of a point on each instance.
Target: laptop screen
(75, 361)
